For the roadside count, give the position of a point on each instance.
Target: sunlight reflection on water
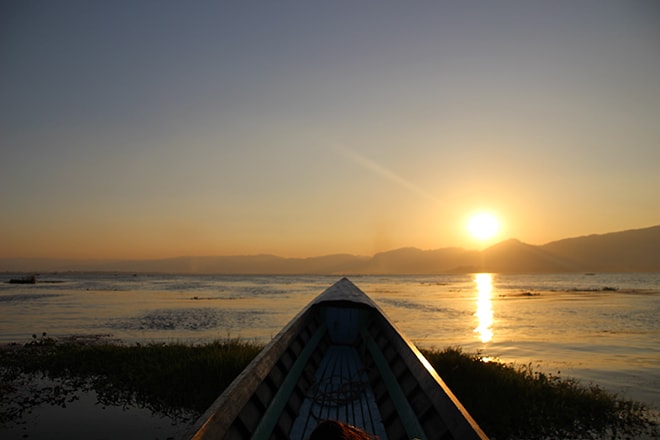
(484, 312)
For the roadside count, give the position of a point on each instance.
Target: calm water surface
(600, 328)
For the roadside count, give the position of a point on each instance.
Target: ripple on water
(189, 319)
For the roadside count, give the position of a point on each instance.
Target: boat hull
(343, 348)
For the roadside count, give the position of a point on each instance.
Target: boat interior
(344, 362)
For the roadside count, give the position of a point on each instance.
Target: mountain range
(635, 250)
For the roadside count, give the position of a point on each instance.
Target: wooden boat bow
(340, 358)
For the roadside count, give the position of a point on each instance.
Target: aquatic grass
(181, 380)
(175, 379)
(174, 374)
(511, 401)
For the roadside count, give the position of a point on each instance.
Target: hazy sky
(141, 129)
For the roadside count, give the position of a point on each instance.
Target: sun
(483, 226)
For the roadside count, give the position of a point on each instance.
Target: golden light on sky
(322, 127)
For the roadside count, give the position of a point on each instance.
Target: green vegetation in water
(182, 380)
(511, 401)
(177, 380)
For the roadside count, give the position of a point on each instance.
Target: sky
(154, 129)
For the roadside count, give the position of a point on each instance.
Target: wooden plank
(341, 393)
(272, 415)
(217, 420)
(406, 413)
(454, 416)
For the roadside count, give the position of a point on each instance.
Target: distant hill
(636, 250)
(626, 251)
(516, 256)
(416, 261)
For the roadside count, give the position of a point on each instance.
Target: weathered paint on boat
(340, 358)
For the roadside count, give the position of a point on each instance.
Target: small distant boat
(31, 279)
(339, 359)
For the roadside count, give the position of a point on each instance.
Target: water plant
(512, 401)
(182, 380)
(177, 380)
(43, 340)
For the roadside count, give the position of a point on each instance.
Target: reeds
(511, 401)
(182, 380)
(175, 379)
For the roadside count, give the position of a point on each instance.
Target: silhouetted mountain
(262, 264)
(627, 251)
(636, 250)
(416, 261)
(518, 257)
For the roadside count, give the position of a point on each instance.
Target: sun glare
(483, 226)
(484, 313)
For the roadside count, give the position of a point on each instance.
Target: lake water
(600, 328)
